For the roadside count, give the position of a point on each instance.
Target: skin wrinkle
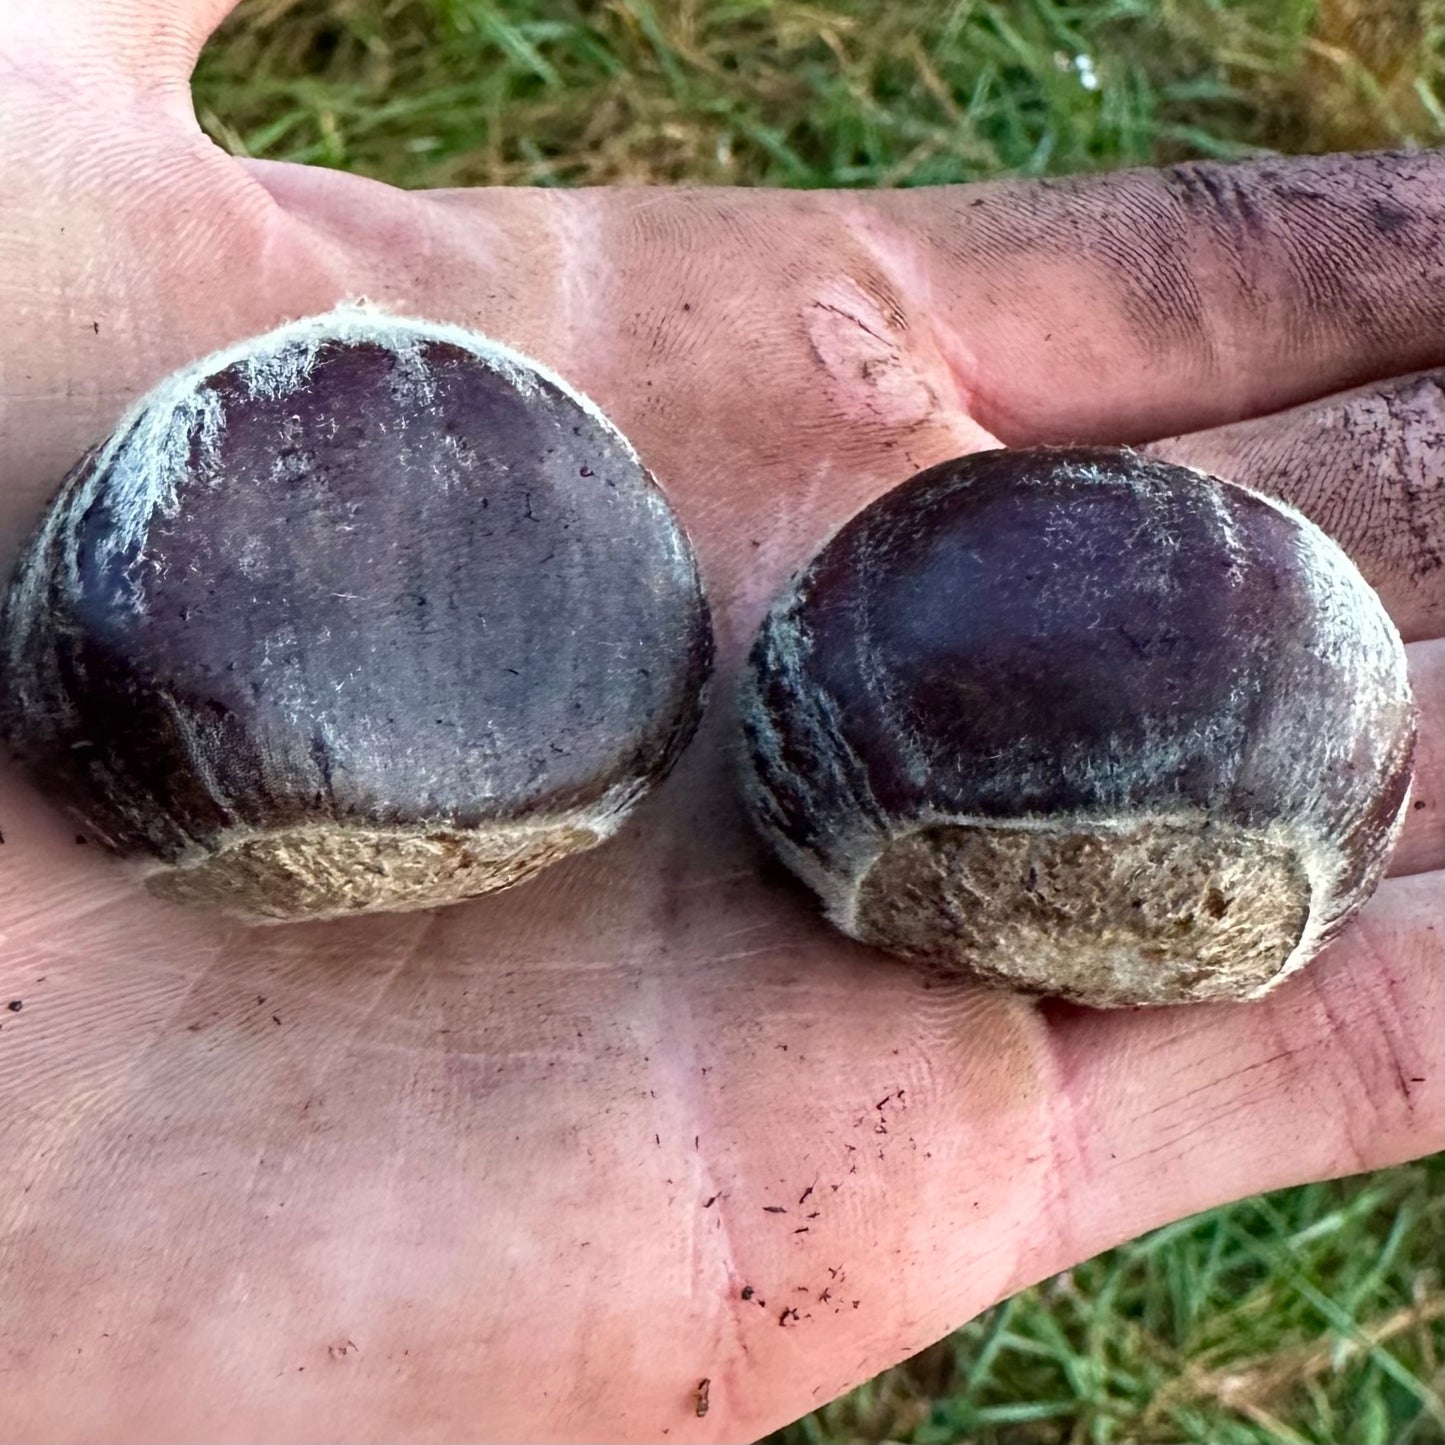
(568, 235)
(1174, 1100)
(327, 1063)
(885, 278)
(1161, 290)
(1067, 1134)
(67, 1123)
(893, 385)
(1405, 1077)
(716, 1275)
(889, 253)
(1397, 1092)
(1351, 1132)
(1080, 1151)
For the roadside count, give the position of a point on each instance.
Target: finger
(1422, 839)
(151, 42)
(1369, 467)
(1161, 1114)
(1130, 306)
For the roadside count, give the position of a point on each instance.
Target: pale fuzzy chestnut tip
(948, 739)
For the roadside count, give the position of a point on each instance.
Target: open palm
(536, 1166)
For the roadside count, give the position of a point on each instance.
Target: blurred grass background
(832, 92)
(1313, 1314)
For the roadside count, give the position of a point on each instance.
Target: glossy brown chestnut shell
(1083, 723)
(364, 613)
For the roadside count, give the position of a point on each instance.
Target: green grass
(1313, 1314)
(851, 92)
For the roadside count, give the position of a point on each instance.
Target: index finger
(1130, 306)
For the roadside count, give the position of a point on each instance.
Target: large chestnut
(364, 613)
(1085, 724)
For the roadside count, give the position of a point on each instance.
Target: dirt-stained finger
(1369, 467)
(1127, 306)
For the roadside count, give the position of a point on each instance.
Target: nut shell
(1083, 723)
(363, 613)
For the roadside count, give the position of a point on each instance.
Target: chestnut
(1084, 724)
(364, 613)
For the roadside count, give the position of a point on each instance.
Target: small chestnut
(364, 613)
(1085, 724)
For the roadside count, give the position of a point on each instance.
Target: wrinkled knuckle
(1225, 197)
(1326, 238)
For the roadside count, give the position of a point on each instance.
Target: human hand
(513, 1169)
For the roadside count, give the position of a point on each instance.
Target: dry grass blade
(1257, 1387)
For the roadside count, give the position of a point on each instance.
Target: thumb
(151, 44)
